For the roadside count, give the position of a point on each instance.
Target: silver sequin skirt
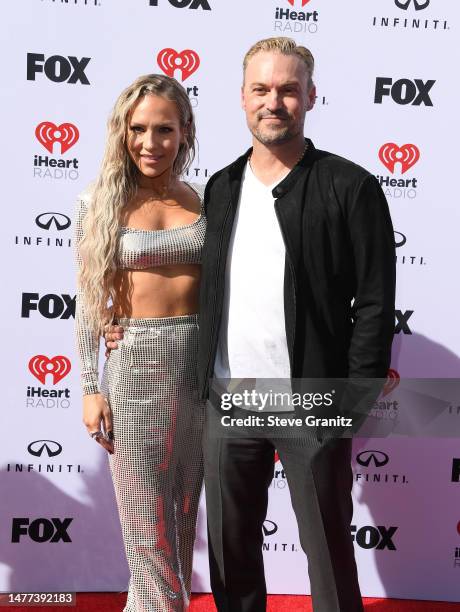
(157, 469)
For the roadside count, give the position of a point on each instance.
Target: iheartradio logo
(187, 61)
(58, 366)
(392, 382)
(292, 2)
(406, 155)
(48, 133)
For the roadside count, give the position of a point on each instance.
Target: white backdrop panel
(414, 495)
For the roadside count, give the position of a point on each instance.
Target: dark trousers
(238, 472)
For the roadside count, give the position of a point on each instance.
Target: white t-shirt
(252, 337)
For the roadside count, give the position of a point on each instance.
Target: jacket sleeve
(87, 342)
(373, 248)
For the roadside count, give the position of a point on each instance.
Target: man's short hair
(286, 46)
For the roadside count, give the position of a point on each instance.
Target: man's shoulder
(326, 164)
(223, 174)
(335, 166)
(216, 178)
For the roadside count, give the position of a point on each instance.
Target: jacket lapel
(290, 203)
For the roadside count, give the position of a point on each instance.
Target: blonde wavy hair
(115, 187)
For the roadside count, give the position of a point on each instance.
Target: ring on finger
(96, 434)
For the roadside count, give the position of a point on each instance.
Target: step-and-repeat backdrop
(387, 99)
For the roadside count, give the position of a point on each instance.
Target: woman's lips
(151, 159)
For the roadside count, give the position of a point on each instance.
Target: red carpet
(113, 602)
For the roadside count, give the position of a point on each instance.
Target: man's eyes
(285, 90)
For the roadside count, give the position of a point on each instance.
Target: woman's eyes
(137, 129)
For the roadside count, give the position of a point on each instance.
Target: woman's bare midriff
(162, 291)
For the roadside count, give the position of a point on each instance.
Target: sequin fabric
(139, 249)
(157, 468)
(151, 387)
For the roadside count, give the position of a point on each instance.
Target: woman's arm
(87, 341)
(96, 411)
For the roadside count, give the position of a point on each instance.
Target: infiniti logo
(269, 528)
(419, 4)
(400, 239)
(60, 221)
(51, 448)
(378, 458)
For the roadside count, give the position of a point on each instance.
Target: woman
(140, 231)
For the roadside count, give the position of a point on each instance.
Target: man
(298, 275)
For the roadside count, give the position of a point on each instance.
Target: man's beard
(277, 136)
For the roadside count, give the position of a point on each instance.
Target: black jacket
(339, 283)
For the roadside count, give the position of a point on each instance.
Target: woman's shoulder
(198, 188)
(85, 197)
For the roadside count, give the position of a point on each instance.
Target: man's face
(275, 97)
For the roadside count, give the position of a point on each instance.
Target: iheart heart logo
(304, 2)
(407, 155)
(186, 61)
(392, 382)
(58, 366)
(48, 133)
(277, 457)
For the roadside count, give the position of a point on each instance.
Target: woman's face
(154, 135)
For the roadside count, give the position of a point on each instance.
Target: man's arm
(373, 310)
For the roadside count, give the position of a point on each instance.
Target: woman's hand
(97, 418)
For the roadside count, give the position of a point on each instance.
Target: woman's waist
(142, 323)
(155, 308)
(147, 298)
(175, 280)
(167, 273)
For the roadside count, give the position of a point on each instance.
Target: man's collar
(304, 162)
(236, 169)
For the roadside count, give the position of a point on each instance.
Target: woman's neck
(159, 185)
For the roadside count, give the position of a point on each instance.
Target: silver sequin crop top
(137, 250)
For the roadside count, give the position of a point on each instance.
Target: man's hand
(112, 333)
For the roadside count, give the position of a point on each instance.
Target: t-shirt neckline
(249, 170)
